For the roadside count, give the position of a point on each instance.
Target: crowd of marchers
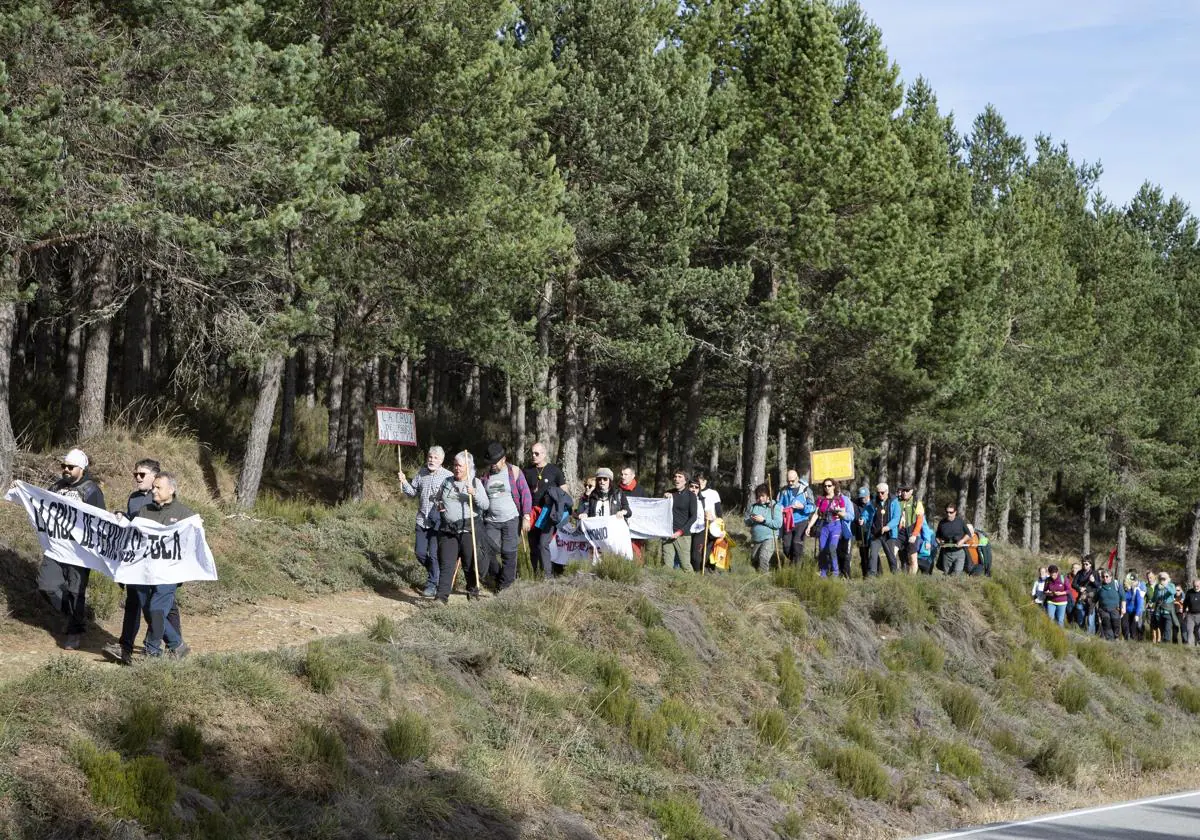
(474, 521)
(1152, 608)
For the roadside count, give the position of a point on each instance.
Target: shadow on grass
(18, 581)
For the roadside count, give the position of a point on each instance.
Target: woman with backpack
(830, 511)
(459, 503)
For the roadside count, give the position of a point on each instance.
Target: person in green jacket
(765, 519)
(1161, 606)
(1108, 606)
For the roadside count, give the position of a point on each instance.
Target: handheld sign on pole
(836, 464)
(398, 426)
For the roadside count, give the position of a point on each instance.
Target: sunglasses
(140, 474)
(68, 467)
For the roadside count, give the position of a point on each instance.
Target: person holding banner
(630, 487)
(62, 584)
(459, 502)
(677, 550)
(158, 600)
(605, 500)
(425, 486)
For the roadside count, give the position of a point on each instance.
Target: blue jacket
(763, 531)
(801, 514)
(893, 517)
(1135, 600)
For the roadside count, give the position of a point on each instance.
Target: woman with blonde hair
(459, 504)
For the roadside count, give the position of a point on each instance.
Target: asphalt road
(1159, 818)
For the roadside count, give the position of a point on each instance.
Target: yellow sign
(837, 464)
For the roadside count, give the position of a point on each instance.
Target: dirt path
(264, 626)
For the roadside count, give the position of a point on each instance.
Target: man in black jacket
(677, 551)
(62, 584)
(156, 601)
(1191, 614)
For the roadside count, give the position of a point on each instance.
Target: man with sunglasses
(1108, 606)
(62, 584)
(952, 536)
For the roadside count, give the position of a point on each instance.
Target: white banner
(131, 552)
(650, 518)
(396, 425)
(588, 539)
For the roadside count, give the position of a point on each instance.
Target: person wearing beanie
(62, 584)
(507, 516)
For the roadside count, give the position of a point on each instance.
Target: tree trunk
(691, 417)
(404, 382)
(571, 409)
(885, 446)
(662, 440)
(519, 426)
(552, 413)
(352, 482)
(1122, 544)
(981, 487)
(1027, 526)
(1035, 539)
(474, 389)
(964, 487)
(285, 446)
(310, 377)
(808, 436)
(1005, 513)
(1087, 524)
(1103, 509)
(714, 460)
(8, 323)
(739, 466)
(337, 377)
(134, 339)
(931, 503)
(260, 433)
(781, 453)
(1193, 546)
(70, 390)
(923, 475)
(909, 473)
(95, 361)
(430, 378)
(756, 429)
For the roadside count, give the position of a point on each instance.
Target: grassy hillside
(617, 707)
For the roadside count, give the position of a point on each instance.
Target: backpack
(926, 540)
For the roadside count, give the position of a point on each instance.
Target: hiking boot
(180, 652)
(118, 654)
(430, 591)
(473, 595)
(73, 641)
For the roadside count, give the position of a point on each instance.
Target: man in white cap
(882, 525)
(64, 585)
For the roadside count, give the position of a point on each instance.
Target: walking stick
(771, 495)
(474, 550)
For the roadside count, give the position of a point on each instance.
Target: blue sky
(1116, 79)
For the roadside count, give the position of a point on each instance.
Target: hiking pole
(771, 495)
(474, 550)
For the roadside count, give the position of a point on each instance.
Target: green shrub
(408, 737)
(140, 789)
(617, 569)
(958, 759)
(649, 732)
(962, 706)
(1003, 613)
(680, 819)
(663, 645)
(792, 826)
(917, 652)
(823, 595)
(1045, 632)
(1154, 719)
(859, 731)
(998, 786)
(899, 601)
(794, 619)
(321, 745)
(648, 614)
(1154, 758)
(1156, 684)
(189, 741)
(1101, 659)
(1007, 742)
(1188, 698)
(1056, 761)
(1072, 693)
(141, 724)
(319, 669)
(613, 701)
(791, 683)
(873, 694)
(1113, 744)
(770, 726)
(1018, 671)
(858, 770)
(382, 629)
(681, 715)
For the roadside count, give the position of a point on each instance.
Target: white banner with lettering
(649, 518)
(131, 552)
(586, 540)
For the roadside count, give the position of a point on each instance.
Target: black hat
(495, 452)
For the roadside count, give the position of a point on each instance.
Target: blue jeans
(1057, 612)
(427, 553)
(154, 602)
